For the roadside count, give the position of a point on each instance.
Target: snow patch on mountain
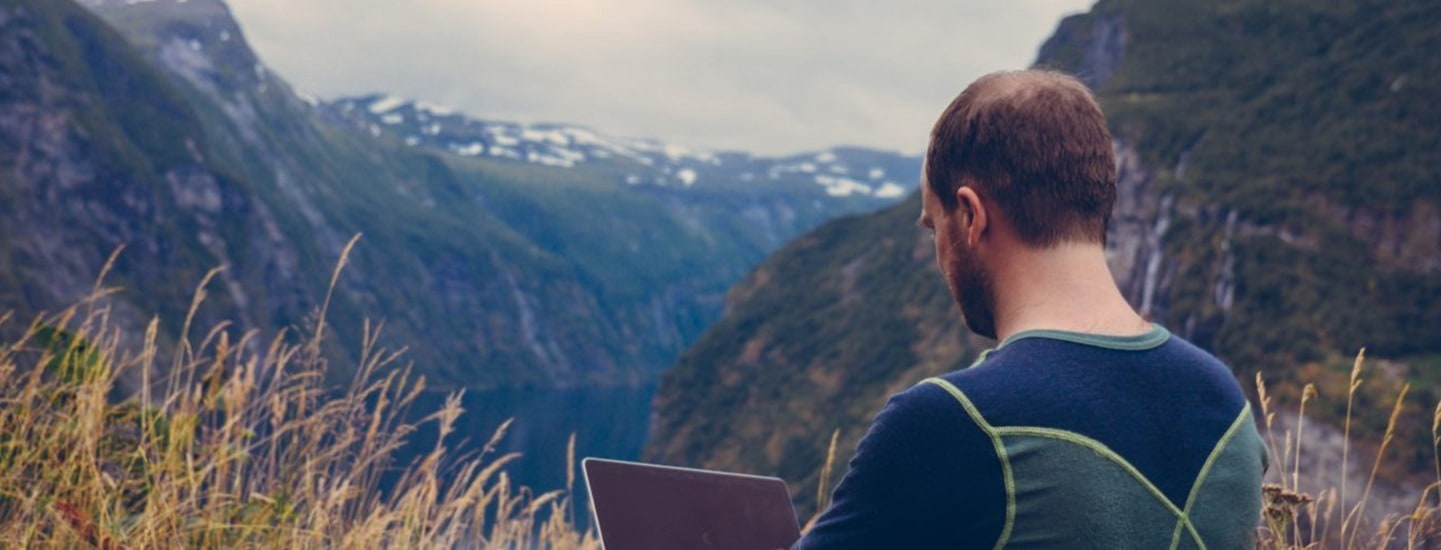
(686, 176)
(890, 190)
(838, 172)
(842, 187)
(385, 104)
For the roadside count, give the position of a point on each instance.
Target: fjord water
(608, 422)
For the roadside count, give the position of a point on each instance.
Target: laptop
(648, 506)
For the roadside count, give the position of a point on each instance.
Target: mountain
(1280, 178)
(156, 127)
(841, 171)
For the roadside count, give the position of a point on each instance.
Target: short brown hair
(1035, 143)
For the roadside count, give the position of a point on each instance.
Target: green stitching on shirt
(1010, 482)
(982, 357)
(1206, 470)
(1151, 339)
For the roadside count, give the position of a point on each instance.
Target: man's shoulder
(928, 414)
(924, 427)
(924, 405)
(923, 476)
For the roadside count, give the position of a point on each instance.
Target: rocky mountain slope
(1280, 179)
(172, 138)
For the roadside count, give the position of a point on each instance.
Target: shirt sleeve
(924, 476)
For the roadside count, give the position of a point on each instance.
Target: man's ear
(974, 220)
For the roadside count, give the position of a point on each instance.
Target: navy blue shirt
(928, 475)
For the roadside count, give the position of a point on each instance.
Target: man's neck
(1068, 287)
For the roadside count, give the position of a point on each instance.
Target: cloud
(755, 75)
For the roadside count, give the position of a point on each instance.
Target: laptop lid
(647, 506)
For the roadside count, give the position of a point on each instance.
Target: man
(1087, 426)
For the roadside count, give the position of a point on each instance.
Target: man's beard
(972, 287)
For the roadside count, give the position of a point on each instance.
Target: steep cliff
(172, 138)
(1278, 199)
(98, 150)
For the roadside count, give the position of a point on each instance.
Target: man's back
(1059, 439)
(1056, 439)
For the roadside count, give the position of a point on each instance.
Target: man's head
(1018, 159)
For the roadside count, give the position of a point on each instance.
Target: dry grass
(238, 445)
(1293, 519)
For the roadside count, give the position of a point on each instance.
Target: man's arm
(924, 476)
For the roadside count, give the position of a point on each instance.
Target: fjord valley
(503, 257)
(1279, 183)
(507, 252)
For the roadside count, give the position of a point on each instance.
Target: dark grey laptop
(646, 506)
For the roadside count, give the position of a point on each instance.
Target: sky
(764, 76)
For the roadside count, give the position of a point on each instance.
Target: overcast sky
(767, 76)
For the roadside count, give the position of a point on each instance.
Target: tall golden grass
(1293, 519)
(238, 444)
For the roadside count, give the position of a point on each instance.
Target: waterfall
(1153, 262)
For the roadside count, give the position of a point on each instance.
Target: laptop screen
(644, 507)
